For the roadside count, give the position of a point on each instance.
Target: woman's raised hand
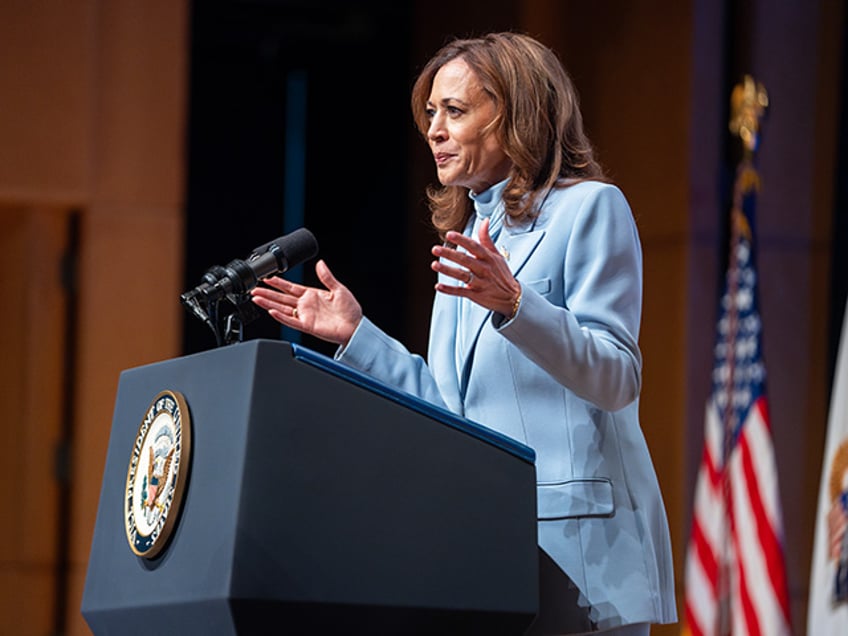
(331, 314)
(482, 272)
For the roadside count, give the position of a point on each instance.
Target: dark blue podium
(317, 501)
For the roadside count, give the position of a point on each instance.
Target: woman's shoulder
(578, 195)
(571, 188)
(588, 207)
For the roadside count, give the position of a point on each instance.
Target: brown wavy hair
(537, 123)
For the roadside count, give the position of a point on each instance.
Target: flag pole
(748, 104)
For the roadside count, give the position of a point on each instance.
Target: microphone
(240, 276)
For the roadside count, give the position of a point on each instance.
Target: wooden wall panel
(92, 101)
(132, 256)
(31, 387)
(140, 104)
(45, 99)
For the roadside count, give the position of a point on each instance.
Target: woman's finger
(460, 258)
(324, 274)
(283, 285)
(472, 245)
(484, 237)
(462, 275)
(467, 243)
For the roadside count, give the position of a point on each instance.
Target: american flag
(735, 573)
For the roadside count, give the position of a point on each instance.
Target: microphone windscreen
(296, 247)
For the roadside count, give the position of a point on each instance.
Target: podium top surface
(304, 355)
(413, 402)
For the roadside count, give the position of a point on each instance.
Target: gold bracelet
(515, 305)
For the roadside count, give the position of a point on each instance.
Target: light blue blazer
(563, 377)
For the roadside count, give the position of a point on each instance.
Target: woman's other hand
(482, 271)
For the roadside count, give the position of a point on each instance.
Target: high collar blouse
(487, 205)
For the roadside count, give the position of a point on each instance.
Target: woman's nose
(436, 131)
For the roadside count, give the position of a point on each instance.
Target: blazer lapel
(516, 245)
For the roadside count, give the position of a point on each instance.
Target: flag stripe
(760, 473)
(748, 615)
(697, 616)
(706, 557)
(752, 533)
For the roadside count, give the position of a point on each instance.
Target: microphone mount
(230, 285)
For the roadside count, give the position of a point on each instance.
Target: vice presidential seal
(157, 474)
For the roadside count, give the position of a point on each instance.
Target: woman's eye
(453, 111)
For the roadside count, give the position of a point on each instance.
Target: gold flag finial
(748, 103)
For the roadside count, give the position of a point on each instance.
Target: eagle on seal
(157, 474)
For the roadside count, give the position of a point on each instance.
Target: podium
(317, 500)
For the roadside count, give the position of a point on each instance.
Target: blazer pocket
(542, 286)
(591, 497)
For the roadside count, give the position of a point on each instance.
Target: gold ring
(294, 312)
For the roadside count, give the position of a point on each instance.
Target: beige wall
(92, 112)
